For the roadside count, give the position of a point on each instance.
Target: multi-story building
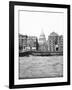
(61, 43)
(53, 42)
(27, 43)
(32, 43)
(22, 42)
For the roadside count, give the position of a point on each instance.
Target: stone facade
(27, 43)
(55, 43)
(32, 42)
(61, 43)
(22, 42)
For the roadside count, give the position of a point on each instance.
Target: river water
(40, 67)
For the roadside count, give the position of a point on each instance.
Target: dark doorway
(56, 48)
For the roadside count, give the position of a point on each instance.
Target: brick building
(22, 42)
(61, 43)
(55, 42)
(32, 43)
(27, 43)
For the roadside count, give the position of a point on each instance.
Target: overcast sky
(32, 23)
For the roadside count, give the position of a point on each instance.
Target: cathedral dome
(42, 38)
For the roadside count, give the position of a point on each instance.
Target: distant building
(43, 47)
(61, 43)
(27, 43)
(42, 42)
(53, 42)
(32, 43)
(42, 38)
(22, 42)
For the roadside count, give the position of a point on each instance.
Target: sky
(32, 23)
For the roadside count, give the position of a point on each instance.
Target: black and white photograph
(40, 43)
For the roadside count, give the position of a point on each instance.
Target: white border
(16, 65)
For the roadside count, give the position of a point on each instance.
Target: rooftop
(53, 34)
